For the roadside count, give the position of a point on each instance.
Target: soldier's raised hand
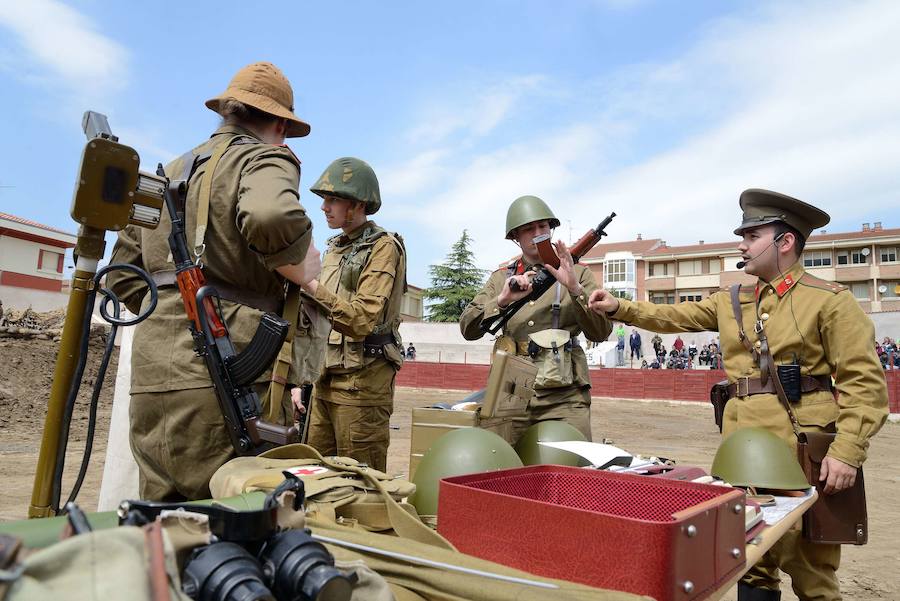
(603, 302)
(508, 295)
(565, 273)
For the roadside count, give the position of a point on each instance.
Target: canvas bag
(338, 490)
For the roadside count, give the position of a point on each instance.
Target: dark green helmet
(352, 179)
(756, 457)
(526, 209)
(532, 453)
(457, 453)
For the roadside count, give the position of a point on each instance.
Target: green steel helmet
(532, 453)
(756, 457)
(457, 453)
(526, 209)
(352, 179)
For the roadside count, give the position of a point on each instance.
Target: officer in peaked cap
(762, 207)
(808, 322)
(242, 209)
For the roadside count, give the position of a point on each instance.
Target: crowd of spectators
(889, 353)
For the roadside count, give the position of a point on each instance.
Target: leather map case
(833, 519)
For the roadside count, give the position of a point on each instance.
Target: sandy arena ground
(681, 431)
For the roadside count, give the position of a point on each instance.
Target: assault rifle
(544, 280)
(232, 373)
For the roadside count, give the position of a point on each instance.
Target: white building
(31, 264)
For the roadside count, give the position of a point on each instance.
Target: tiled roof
(24, 221)
(641, 247)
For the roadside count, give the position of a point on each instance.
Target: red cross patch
(308, 470)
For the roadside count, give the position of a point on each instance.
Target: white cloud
(62, 49)
(802, 98)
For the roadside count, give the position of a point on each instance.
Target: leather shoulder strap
(739, 318)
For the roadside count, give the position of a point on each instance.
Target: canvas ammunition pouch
(551, 351)
(338, 490)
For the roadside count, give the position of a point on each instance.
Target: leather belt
(522, 347)
(751, 385)
(267, 304)
(374, 344)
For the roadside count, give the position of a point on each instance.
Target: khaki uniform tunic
(568, 403)
(355, 394)
(822, 325)
(256, 223)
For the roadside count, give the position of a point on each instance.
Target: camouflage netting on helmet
(352, 179)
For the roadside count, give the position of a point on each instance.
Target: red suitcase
(668, 539)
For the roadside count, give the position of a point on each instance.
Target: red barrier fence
(669, 384)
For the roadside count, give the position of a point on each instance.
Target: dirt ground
(682, 431)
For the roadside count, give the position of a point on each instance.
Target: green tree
(454, 283)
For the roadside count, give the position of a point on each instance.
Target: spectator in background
(410, 351)
(634, 341)
(678, 344)
(620, 349)
(656, 341)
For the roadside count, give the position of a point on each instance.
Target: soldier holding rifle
(545, 329)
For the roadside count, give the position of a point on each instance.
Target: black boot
(751, 593)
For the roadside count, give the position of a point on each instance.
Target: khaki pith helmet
(352, 179)
(526, 209)
(762, 207)
(263, 86)
(457, 453)
(532, 453)
(756, 457)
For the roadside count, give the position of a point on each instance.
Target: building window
(661, 269)
(860, 290)
(817, 258)
(694, 267)
(852, 257)
(891, 289)
(662, 298)
(50, 261)
(889, 255)
(621, 270)
(689, 296)
(715, 265)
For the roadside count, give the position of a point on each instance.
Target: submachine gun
(544, 280)
(232, 373)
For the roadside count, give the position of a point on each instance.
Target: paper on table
(783, 506)
(595, 452)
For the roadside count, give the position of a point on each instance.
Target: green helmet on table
(756, 457)
(457, 453)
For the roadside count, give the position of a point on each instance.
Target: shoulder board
(745, 289)
(813, 282)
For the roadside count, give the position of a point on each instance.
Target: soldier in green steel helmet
(361, 286)
(546, 330)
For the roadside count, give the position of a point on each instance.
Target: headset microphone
(742, 264)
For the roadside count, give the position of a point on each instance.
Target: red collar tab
(786, 284)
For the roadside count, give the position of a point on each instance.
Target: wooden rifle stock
(543, 280)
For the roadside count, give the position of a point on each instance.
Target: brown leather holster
(719, 397)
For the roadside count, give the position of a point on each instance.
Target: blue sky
(661, 111)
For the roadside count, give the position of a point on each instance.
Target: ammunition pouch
(719, 395)
(551, 352)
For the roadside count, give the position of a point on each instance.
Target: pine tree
(454, 283)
